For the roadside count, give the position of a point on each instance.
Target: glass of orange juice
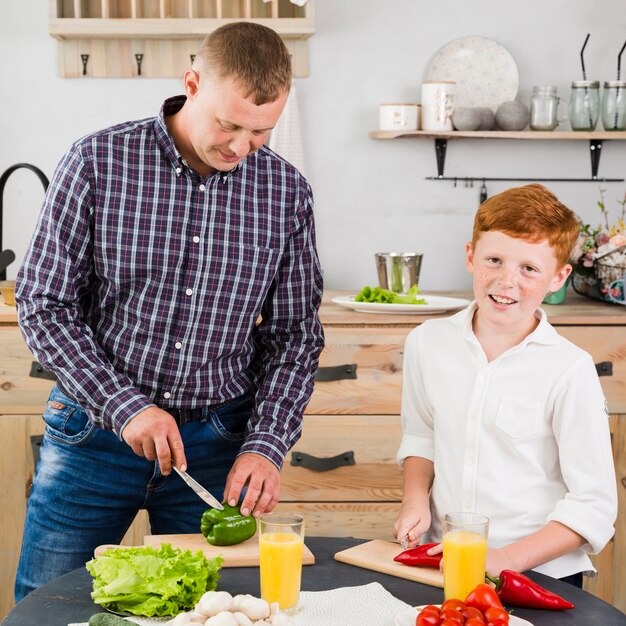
(281, 541)
(464, 553)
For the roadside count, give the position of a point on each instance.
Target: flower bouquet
(599, 258)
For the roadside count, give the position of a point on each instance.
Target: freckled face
(225, 125)
(511, 277)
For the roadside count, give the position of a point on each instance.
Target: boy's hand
(412, 523)
(497, 560)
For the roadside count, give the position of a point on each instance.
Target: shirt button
(167, 394)
(179, 171)
(178, 345)
(189, 292)
(196, 239)
(201, 187)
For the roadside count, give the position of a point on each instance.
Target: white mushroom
(182, 619)
(214, 602)
(255, 608)
(242, 619)
(223, 618)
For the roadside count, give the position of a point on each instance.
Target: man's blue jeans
(89, 485)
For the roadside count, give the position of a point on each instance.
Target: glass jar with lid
(614, 105)
(543, 108)
(584, 104)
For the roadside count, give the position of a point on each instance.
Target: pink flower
(602, 238)
(618, 240)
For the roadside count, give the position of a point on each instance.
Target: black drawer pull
(336, 372)
(322, 464)
(605, 368)
(37, 371)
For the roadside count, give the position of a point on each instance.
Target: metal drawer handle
(322, 464)
(37, 371)
(336, 372)
(605, 368)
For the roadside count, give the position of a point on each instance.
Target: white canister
(437, 105)
(393, 116)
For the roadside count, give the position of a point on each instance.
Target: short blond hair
(533, 213)
(253, 55)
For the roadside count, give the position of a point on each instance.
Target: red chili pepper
(483, 597)
(417, 556)
(518, 590)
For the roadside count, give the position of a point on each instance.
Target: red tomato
(482, 597)
(453, 615)
(458, 605)
(428, 619)
(493, 613)
(474, 621)
(470, 612)
(498, 622)
(450, 622)
(431, 608)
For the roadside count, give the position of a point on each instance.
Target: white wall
(370, 195)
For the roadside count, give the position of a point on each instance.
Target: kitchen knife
(199, 489)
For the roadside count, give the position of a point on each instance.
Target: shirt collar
(544, 333)
(169, 107)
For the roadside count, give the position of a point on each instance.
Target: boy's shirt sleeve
(417, 414)
(581, 429)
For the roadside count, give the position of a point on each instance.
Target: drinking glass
(584, 104)
(281, 541)
(464, 553)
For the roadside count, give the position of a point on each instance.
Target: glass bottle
(543, 108)
(584, 104)
(614, 105)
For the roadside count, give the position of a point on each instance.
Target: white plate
(407, 618)
(434, 304)
(485, 73)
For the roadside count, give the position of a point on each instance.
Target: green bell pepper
(227, 527)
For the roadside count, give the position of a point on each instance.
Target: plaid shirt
(144, 283)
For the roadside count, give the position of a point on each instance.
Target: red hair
(533, 213)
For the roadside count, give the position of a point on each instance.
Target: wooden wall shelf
(157, 38)
(441, 138)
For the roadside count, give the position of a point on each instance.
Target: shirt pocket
(520, 418)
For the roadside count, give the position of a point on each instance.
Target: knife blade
(199, 489)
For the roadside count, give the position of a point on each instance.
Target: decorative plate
(485, 73)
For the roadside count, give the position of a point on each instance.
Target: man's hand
(154, 434)
(263, 479)
(413, 521)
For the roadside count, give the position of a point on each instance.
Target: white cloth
(523, 439)
(286, 137)
(365, 605)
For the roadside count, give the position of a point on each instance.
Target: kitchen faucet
(8, 256)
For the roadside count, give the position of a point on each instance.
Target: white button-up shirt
(523, 439)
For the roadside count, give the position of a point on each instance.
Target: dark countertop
(66, 599)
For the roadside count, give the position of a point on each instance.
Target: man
(160, 245)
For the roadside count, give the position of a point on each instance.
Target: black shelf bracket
(595, 151)
(440, 151)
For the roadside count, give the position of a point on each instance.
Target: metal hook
(483, 192)
(139, 59)
(455, 182)
(84, 58)
(192, 57)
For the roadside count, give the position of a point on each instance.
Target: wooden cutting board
(378, 555)
(244, 554)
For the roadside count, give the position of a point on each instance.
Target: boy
(500, 414)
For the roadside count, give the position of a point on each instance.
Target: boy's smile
(511, 278)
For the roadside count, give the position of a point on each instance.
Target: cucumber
(107, 619)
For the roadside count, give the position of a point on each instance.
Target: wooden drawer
(377, 388)
(604, 344)
(20, 393)
(360, 500)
